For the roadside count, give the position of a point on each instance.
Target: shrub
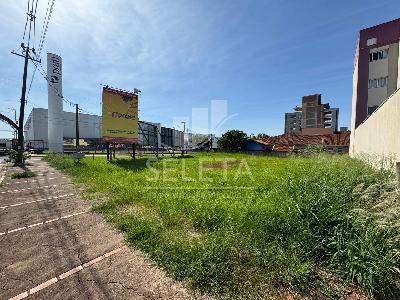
(16, 156)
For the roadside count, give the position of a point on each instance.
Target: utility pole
(77, 127)
(25, 55)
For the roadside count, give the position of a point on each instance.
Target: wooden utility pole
(25, 54)
(22, 105)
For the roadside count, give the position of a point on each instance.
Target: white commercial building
(150, 134)
(36, 127)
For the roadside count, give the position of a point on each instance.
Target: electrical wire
(26, 22)
(40, 67)
(45, 28)
(44, 21)
(34, 22)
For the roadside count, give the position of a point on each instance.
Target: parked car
(3, 149)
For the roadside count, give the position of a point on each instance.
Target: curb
(2, 175)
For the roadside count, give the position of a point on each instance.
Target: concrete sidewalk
(53, 247)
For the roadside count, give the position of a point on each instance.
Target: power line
(67, 101)
(45, 26)
(34, 22)
(26, 23)
(44, 22)
(30, 84)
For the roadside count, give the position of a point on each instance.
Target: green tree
(260, 136)
(232, 140)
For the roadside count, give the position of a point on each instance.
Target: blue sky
(260, 56)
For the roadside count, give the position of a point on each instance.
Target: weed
(25, 174)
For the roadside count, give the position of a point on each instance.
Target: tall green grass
(248, 235)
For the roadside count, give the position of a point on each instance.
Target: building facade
(376, 72)
(376, 93)
(293, 121)
(312, 117)
(36, 126)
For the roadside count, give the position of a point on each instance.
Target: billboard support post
(134, 151)
(108, 151)
(77, 127)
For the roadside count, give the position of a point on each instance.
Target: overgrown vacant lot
(240, 226)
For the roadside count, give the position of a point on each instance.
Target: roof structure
(288, 142)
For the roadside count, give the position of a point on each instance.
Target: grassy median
(249, 227)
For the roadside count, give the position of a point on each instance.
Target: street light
(184, 139)
(15, 119)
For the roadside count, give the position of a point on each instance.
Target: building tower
(313, 117)
(55, 103)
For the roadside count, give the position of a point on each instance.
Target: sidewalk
(53, 247)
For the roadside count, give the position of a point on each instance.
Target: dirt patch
(224, 164)
(330, 286)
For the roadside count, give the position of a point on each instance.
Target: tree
(232, 140)
(261, 136)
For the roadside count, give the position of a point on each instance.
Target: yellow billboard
(120, 116)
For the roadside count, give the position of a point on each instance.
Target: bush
(312, 150)
(16, 156)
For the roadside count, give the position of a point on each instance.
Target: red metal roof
(287, 142)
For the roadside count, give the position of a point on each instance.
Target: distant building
(150, 134)
(312, 117)
(36, 126)
(293, 121)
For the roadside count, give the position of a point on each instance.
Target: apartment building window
(383, 81)
(377, 82)
(371, 41)
(378, 55)
(371, 109)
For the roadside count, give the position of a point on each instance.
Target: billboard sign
(120, 116)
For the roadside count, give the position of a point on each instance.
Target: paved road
(53, 247)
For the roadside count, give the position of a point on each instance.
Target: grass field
(247, 227)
